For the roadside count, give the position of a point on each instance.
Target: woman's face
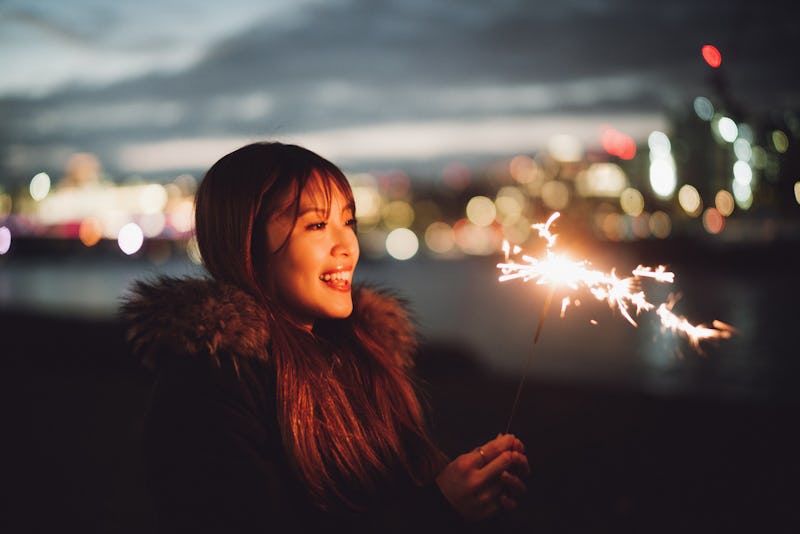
(311, 274)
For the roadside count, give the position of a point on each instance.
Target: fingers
(513, 485)
(488, 452)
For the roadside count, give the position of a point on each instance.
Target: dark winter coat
(212, 448)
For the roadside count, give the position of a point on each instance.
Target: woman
(284, 396)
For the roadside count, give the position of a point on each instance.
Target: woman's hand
(479, 483)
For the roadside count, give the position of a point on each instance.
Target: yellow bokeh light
(153, 224)
(724, 202)
(632, 201)
(481, 211)
(439, 237)
(601, 180)
(397, 214)
(523, 169)
(181, 217)
(555, 195)
(510, 203)
(6, 204)
(690, 201)
(780, 141)
(152, 198)
(565, 148)
(368, 204)
(797, 192)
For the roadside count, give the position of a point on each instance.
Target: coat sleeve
(209, 452)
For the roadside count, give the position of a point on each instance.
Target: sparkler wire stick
(545, 309)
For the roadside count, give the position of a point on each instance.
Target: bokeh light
(555, 194)
(402, 244)
(39, 186)
(565, 148)
(130, 238)
(510, 203)
(5, 239)
(712, 56)
(6, 204)
(481, 210)
(689, 199)
(727, 129)
(368, 205)
(660, 224)
(663, 179)
(742, 172)
(476, 240)
(632, 201)
(90, 231)
(523, 169)
(780, 141)
(742, 149)
(659, 144)
(618, 144)
(703, 108)
(743, 194)
(601, 180)
(439, 237)
(397, 214)
(152, 198)
(713, 221)
(724, 202)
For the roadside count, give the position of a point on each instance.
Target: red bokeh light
(618, 144)
(712, 56)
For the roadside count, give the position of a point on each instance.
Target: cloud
(175, 70)
(400, 141)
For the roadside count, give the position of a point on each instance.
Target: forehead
(322, 191)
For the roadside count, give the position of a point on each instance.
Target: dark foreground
(603, 459)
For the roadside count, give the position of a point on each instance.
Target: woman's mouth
(339, 280)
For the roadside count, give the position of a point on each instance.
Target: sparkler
(622, 294)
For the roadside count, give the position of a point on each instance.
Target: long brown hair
(349, 413)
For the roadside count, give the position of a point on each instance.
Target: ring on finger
(483, 456)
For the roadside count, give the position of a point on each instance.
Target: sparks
(622, 293)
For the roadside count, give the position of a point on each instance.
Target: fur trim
(383, 317)
(192, 316)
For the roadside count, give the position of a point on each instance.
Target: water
(462, 303)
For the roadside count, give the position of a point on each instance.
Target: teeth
(337, 276)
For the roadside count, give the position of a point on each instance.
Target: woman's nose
(346, 242)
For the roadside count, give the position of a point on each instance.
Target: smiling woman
(285, 396)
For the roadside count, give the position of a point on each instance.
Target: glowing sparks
(623, 294)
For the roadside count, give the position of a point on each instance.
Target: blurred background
(664, 134)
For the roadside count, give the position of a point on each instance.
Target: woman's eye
(352, 222)
(317, 226)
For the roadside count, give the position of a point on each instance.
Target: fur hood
(193, 316)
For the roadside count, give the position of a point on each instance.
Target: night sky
(162, 87)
